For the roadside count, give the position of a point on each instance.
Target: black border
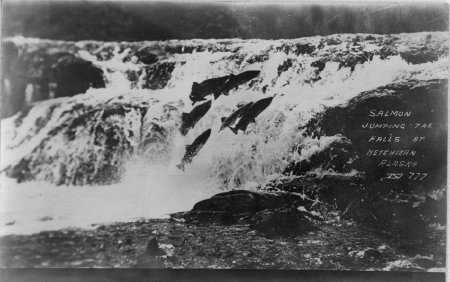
(133, 274)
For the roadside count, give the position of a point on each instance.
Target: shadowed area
(135, 21)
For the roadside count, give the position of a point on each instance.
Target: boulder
(45, 69)
(74, 75)
(273, 214)
(153, 249)
(365, 116)
(399, 217)
(416, 57)
(338, 156)
(286, 221)
(243, 203)
(158, 75)
(241, 206)
(152, 256)
(435, 210)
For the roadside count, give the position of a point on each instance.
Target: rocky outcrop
(158, 75)
(338, 156)
(281, 222)
(172, 67)
(152, 257)
(362, 121)
(379, 205)
(73, 75)
(49, 72)
(78, 143)
(57, 68)
(244, 203)
(271, 213)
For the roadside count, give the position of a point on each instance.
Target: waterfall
(110, 154)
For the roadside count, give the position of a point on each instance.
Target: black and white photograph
(224, 135)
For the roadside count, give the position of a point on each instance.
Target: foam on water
(227, 161)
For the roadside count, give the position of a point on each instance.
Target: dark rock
(235, 203)
(152, 256)
(258, 58)
(387, 51)
(158, 75)
(133, 77)
(333, 41)
(368, 255)
(372, 255)
(435, 210)
(200, 253)
(424, 262)
(319, 64)
(105, 132)
(44, 68)
(351, 60)
(285, 47)
(354, 122)
(284, 66)
(228, 219)
(398, 217)
(419, 56)
(281, 222)
(304, 49)
(377, 205)
(74, 75)
(243, 202)
(338, 156)
(19, 70)
(153, 249)
(241, 205)
(128, 240)
(205, 217)
(104, 52)
(145, 56)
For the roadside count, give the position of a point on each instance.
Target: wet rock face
(15, 79)
(380, 205)
(242, 202)
(74, 75)
(281, 222)
(273, 214)
(90, 143)
(102, 159)
(337, 157)
(285, 66)
(399, 217)
(435, 210)
(46, 70)
(419, 57)
(158, 75)
(363, 120)
(146, 56)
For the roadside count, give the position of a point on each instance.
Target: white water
(147, 191)
(226, 161)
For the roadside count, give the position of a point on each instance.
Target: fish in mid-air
(193, 149)
(189, 120)
(219, 85)
(234, 81)
(228, 121)
(251, 113)
(199, 91)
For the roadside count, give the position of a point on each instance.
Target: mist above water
(151, 185)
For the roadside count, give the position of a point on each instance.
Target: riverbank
(337, 245)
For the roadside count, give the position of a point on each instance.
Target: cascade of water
(151, 185)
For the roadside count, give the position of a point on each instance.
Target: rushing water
(152, 188)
